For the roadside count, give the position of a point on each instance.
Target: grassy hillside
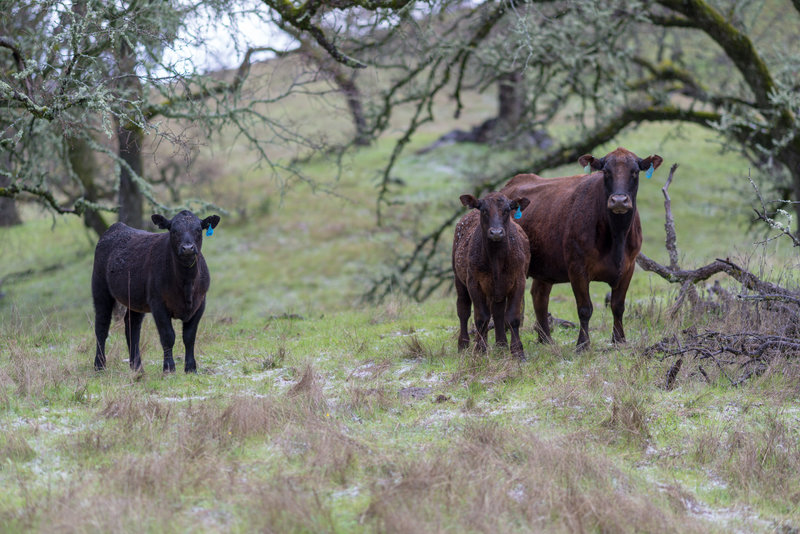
(315, 412)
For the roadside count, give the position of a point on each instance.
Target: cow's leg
(514, 316)
(540, 292)
(103, 306)
(463, 305)
(618, 306)
(580, 287)
(482, 315)
(499, 316)
(189, 334)
(133, 327)
(165, 332)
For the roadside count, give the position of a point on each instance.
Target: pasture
(315, 411)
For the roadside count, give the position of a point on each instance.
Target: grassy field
(314, 411)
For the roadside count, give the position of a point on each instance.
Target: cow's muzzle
(496, 234)
(187, 251)
(620, 204)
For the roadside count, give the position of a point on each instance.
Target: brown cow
(490, 261)
(583, 228)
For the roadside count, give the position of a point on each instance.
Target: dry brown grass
(628, 412)
(35, 377)
(412, 348)
(366, 402)
(14, 447)
(494, 479)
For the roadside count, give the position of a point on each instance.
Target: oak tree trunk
(84, 165)
(130, 138)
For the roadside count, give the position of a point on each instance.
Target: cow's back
(123, 260)
(559, 215)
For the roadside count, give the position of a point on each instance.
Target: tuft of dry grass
(34, 378)
(308, 390)
(628, 413)
(497, 479)
(15, 447)
(412, 348)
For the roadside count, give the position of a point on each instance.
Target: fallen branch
(689, 277)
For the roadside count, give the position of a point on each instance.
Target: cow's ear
(655, 160)
(161, 221)
(591, 161)
(520, 203)
(470, 201)
(211, 220)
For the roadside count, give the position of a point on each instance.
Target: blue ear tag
(587, 169)
(210, 231)
(518, 213)
(649, 173)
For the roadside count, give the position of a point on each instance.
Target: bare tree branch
(6, 42)
(737, 46)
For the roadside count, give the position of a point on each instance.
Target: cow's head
(496, 210)
(621, 176)
(186, 233)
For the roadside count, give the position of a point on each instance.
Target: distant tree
(606, 66)
(83, 80)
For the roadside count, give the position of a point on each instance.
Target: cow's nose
(620, 203)
(496, 234)
(187, 249)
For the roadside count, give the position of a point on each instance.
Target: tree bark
(84, 165)
(791, 158)
(130, 198)
(9, 216)
(510, 101)
(352, 94)
(130, 138)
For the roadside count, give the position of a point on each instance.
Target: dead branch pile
(763, 325)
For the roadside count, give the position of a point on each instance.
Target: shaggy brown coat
(490, 261)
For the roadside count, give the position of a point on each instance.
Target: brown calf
(583, 228)
(490, 261)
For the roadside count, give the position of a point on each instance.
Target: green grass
(299, 419)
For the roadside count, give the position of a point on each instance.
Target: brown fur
(577, 237)
(490, 273)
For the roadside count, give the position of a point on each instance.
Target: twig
(669, 224)
(672, 374)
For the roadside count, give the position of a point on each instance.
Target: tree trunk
(9, 216)
(130, 137)
(347, 85)
(84, 165)
(510, 101)
(791, 158)
(130, 198)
